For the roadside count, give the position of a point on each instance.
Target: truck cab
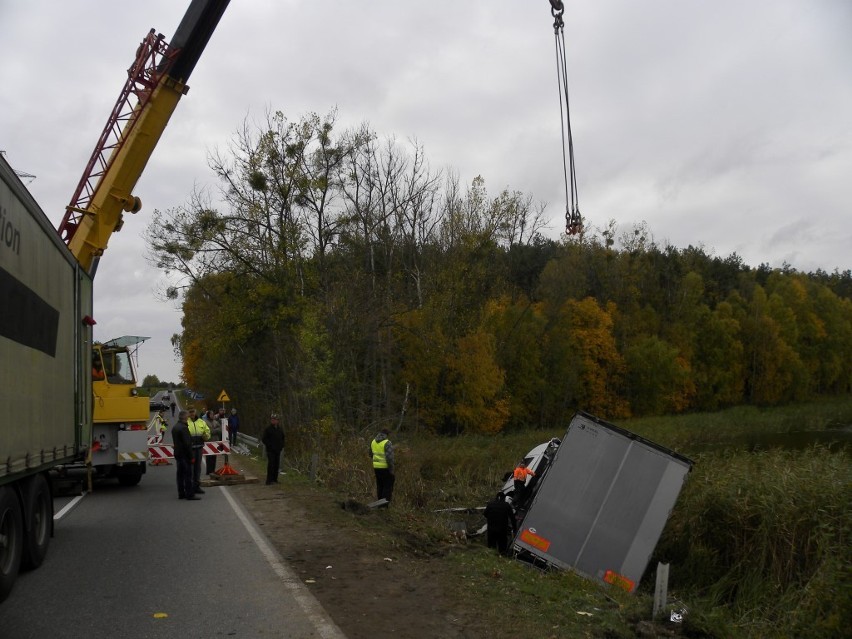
(119, 444)
(537, 460)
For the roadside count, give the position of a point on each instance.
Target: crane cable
(573, 219)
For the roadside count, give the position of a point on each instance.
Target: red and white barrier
(163, 454)
(159, 454)
(217, 448)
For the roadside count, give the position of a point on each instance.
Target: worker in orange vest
(97, 369)
(520, 475)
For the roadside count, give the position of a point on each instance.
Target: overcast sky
(726, 124)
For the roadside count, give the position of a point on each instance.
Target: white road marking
(68, 507)
(307, 602)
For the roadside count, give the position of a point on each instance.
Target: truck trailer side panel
(45, 387)
(602, 505)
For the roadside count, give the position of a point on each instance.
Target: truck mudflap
(603, 503)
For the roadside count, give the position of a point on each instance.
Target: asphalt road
(138, 562)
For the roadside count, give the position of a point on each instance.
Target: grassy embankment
(758, 543)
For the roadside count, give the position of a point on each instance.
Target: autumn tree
(770, 362)
(519, 331)
(584, 362)
(658, 377)
(475, 382)
(718, 365)
(256, 255)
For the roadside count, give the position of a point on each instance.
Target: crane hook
(556, 10)
(573, 219)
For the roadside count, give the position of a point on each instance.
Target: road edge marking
(306, 600)
(68, 507)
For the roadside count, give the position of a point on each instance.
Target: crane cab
(119, 431)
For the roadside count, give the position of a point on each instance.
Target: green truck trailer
(45, 375)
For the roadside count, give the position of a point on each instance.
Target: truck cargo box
(601, 506)
(45, 389)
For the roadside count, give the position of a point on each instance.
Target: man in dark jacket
(184, 457)
(233, 426)
(273, 442)
(501, 519)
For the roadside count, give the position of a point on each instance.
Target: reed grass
(694, 431)
(767, 536)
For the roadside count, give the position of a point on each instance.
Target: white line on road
(68, 507)
(307, 602)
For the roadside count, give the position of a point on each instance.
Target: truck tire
(38, 522)
(129, 477)
(11, 540)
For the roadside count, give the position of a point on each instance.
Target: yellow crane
(156, 81)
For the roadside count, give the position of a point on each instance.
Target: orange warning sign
(535, 540)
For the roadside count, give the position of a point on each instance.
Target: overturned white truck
(599, 501)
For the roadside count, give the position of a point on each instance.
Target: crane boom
(157, 80)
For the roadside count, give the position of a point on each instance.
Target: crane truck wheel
(130, 476)
(11, 539)
(38, 522)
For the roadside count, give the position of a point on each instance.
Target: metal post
(661, 592)
(314, 466)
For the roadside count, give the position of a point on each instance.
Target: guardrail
(252, 442)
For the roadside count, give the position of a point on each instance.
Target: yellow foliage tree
(518, 329)
(476, 383)
(421, 346)
(591, 348)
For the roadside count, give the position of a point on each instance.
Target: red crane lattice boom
(153, 59)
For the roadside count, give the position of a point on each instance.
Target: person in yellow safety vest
(200, 433)
(381, 452)
(160, 425)
(520, 475)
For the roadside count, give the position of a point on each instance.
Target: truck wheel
(38, 509)
(11, 540)
(130, 478)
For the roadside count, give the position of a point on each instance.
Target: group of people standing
(499, 513)
(381, 455)
(189, 434)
